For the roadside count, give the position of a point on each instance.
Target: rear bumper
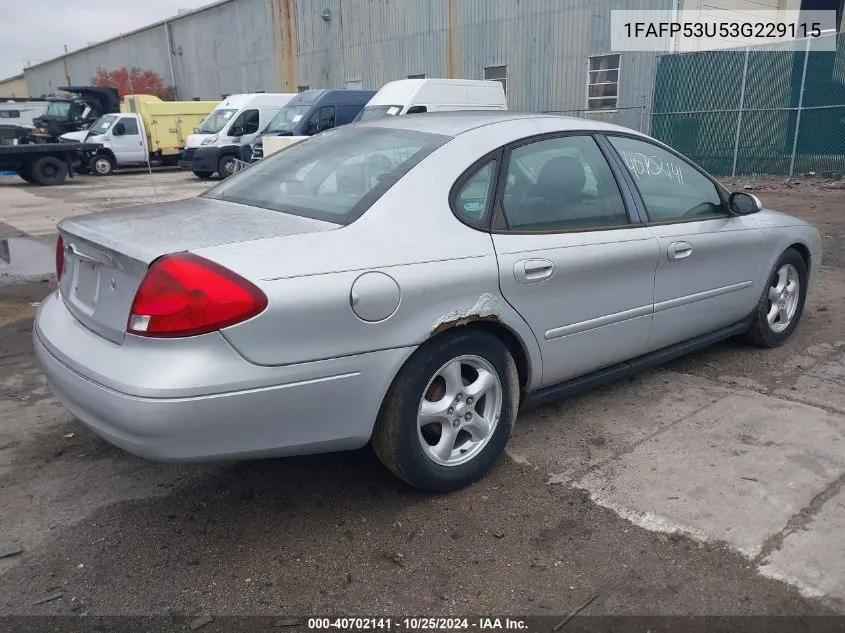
(211, 404)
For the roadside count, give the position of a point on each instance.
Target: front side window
(130, 126)
(246, 123)
(326, 121)
(320, 120)
(334, 176)
(217, 120)
(603, 89)
(671, 188)
(472, 200)
(562, 183)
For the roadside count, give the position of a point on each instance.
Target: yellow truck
(146, 131)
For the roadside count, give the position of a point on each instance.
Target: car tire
(102, 165)
(226, 166)
(782, 302)
(205, 175)
(49, 171)
(26, 174)
(413, 446)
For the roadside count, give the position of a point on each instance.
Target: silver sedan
(411, 282)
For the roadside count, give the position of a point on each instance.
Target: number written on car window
(671, 188)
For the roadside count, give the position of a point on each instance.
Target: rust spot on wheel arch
(465, 320)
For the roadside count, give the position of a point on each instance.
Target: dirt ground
(106, 533)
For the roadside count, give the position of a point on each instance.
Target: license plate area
(86, 285)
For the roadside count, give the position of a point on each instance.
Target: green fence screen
(736, 112)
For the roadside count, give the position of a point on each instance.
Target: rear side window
(472, 200)
(10, 114)
(334, 176)
(559, 184)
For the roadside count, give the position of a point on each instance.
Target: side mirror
(311, 129)
(236, 131)
(742, 203)
(118, 130)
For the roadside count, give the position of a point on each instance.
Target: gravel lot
(712, 485)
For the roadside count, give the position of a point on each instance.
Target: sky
(38, 31)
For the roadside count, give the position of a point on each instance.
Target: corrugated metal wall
(226, 49)
(277, 45)
(374, 41)
(145, 49)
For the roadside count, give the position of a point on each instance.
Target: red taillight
(60, 257)
(186, 295)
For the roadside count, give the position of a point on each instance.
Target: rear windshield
(334, 176)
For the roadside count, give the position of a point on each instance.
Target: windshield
(58, 108)
(216, 121)
(377, 112)
(287, 119)
(334, 176)
(102, 125)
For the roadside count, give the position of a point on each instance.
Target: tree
(134, 81)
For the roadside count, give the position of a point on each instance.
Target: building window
(421, 76)
(301, 88)
(354, 84)
(498, 73)
(603, 88)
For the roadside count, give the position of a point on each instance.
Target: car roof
(458, 122)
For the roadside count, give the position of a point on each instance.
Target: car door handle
(529, 271)
(680, 250)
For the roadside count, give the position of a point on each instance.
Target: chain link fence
(773, 109)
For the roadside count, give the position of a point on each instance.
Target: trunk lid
(106, 255)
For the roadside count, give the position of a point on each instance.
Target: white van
(413, 96)
(21, 112)
(228, 130)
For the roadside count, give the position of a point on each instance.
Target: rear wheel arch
(392, 437)
(505, 335)
(513, 342)
(508, 337)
